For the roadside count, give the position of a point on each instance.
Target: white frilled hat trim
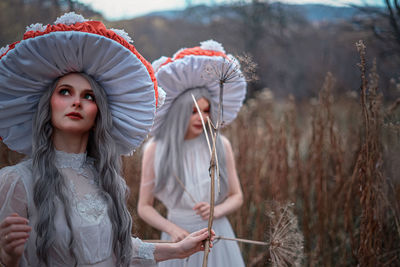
(158, 62)
(212, 45)
(37, 27)
(70, 19)
(122, 33)
(161, 97)
(27, 70)
(4, 49)
(180, 73)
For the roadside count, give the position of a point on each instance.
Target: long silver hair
(170, 138)
(50, 184)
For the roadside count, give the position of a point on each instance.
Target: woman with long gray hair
(176, 160)
(74, 96)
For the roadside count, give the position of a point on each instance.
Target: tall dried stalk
(213, 173)
(226, 72)
(369, 176)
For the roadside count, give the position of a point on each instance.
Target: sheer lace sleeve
(13, 196)
(143, 253)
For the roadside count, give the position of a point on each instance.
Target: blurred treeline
(15, 15)
(293, 54)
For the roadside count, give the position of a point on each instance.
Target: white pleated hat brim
(196, 71)
(27, 71)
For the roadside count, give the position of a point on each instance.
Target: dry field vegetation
(334, 159)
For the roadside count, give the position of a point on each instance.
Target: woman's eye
(194, 111)
(89, 97)
(64, 92)
(206, 111)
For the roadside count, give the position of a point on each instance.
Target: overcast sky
(120, 9)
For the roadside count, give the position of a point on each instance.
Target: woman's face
(195, 127)
(73, 106)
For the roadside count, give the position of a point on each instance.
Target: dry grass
(336, 158)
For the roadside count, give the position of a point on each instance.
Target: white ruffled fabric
(92, 228)
(36, 27)
(161, 97)
(123, 34)
(28, 70)
(70, 18)
(158, 62)
(212, 45)
(4, 49)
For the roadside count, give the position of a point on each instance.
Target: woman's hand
(14, 232)
(177, 234)
(234, 198)
(191, 244)
(203, 209)
(194, 243)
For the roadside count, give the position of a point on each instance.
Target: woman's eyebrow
(65, 84)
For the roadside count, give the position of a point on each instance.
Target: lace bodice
(83, 185)
(91, 226)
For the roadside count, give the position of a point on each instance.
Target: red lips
(75, 115)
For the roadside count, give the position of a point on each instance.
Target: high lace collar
(70, 160)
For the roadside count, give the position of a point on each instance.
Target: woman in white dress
(74, 97)
(175, 165)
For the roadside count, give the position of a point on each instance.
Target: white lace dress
(90, 222)
(196, 163)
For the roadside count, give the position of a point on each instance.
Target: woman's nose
(198, 117)
(77, 102)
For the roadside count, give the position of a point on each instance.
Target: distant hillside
(292, 45)
(311, 12)
(319, 12)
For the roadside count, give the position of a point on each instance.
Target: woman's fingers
(14, 229)
(205, 209)
(14, 232)
(13, 219)
(202, 209)
(14, 223)
(200, 232)
(212, 235)
(200, 235)
(205, 214)
(201, 205)
(196, 241)
(178, 238)
(15, 235)
(10, 247)
(179, 234)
